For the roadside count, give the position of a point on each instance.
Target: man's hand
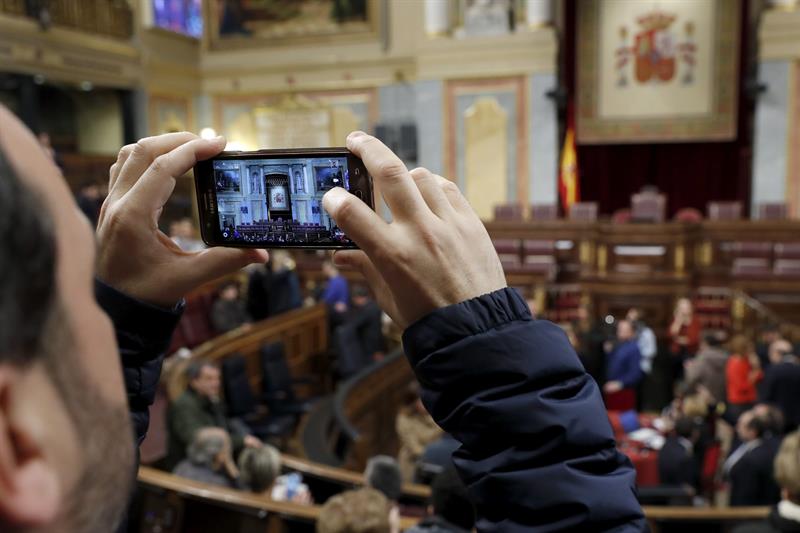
(436, 251)
(134, 256)
(612, 387)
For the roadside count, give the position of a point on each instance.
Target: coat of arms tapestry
(657, 70)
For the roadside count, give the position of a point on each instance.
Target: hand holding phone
(273, 198)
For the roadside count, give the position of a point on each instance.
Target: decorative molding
(779, 35)
(792, 140)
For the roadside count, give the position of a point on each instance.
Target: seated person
(383, 474)
(209, 459)
(201, 406)
(260, 473)
(677, 460)
(358, 511)
(450, 510)
(415, 429)
(785, 517)
(229, 310)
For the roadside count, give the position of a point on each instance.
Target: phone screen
(275, 199)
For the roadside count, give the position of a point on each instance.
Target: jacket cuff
(453, 323)
(150, 324)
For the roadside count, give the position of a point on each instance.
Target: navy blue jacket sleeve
(143, 335)
(537, 451)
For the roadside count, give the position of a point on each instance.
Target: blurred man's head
(204, 378)
(779, 349)
(66, 456)
(450, 500)
(329, 269)
(383, 474)
(360, 296)
(771, 333)
(260, 467)
(634, 314)
(750, 427)
(625, 331)
(210, 447)
(771, 417)
(229, 291)
(356, 511)
(787, 467)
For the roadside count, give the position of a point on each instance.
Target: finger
(360, 223)
(432, 192)
(116, 168)
(213, 263)
(142, 156)
(454, 196)
(391, 175)
(157, 183)
(358, 260)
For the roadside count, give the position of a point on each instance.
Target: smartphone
(273, 198)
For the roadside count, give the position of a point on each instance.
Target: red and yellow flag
(569, 187)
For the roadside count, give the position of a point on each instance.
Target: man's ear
(30, 493)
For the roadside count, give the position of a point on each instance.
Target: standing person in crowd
(274, 288)
(769, 334)
(201, 406)
(742, 374)
(209, 459)
(781, 385)
(337, 292)
(785, 517)
(90, 199)
(450, 509)
(708, 368)
(678, 462)
(749, 466)
(591, 336)
(229, 310)
(624, 370)
(416, 430)
(684, 334)
(645, 339)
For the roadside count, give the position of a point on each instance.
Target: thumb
(214, 263)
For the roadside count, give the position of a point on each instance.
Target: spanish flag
(568, 178)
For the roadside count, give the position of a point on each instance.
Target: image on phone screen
(278, 200)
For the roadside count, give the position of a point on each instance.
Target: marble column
(538, 12)
(437, 17)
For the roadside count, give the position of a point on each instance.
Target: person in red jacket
(742, 374)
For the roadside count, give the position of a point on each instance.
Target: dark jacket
(228, 314)
(435, 524)
(775, 523)
(204, 474)
(781, 387)
(143, 334)
(189, 413)
(752, 478)
(677, 464)
(272, 293)
(537, 453)
(625, 364)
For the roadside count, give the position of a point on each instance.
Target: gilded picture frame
(657, 70)
(301, 28)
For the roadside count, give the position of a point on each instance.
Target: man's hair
(713, 340)
(383, 474)
(758, 425)
(206, 446)
(787, 466)
(450, 499)
(355, 511)
(771, 417)
(259, 467)
(195, 368)
(27, 269)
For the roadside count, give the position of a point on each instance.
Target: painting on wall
(169, 114)
(657, 70)
(243, 21)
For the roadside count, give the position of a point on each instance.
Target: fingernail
(219, 139)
